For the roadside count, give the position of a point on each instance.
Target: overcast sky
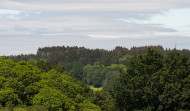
(26, 25)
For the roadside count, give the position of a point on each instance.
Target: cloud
(103, 5)
(30, 43)
(26, 25)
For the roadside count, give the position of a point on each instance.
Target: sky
(26, 25)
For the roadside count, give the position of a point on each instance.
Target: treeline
(97, 67)
(62, 55)
(59, 55)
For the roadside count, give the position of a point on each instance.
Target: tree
(53, 100)
(75, 69)
(7, 95)
(125, 60)
(94, 75)
(22, 84)
(112, 74)
(154, 82)
(44, 66)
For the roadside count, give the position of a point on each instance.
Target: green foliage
(30, 108)
(15, 77)
(66, 92)
(22, 84)
(63, 55)
(59, 68)
(33, 61)
(52, 99)
(86, 105)
(110, 79)
(33, 108)
(101, 76)
(114, 67)
(7, 96)
(44, 66)
(154, 82)
(94, 75)
(26, 73)
(75, 69)
(150, 81)
(74, 59)
(112, 74)
(125, 60)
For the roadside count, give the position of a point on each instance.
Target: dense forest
(97, 67)
(24, 85)
(65, 78)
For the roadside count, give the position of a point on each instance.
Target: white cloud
(91, 23)
(176, 18)
(103, 5)
(30, 45)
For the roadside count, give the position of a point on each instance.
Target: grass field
(95, 89)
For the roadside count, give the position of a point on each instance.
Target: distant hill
(59, 55)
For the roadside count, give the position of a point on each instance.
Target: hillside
(97, 67)
(151, 79)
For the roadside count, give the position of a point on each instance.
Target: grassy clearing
(95, 89)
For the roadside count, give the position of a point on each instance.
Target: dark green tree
(44, 66)
(94, 75)
(154, 82)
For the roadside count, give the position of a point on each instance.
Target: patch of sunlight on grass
(95, 89)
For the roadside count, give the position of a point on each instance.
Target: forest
(59, 78)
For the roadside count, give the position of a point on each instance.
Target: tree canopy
(154, 82)
(22, 84)
(142, 78)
